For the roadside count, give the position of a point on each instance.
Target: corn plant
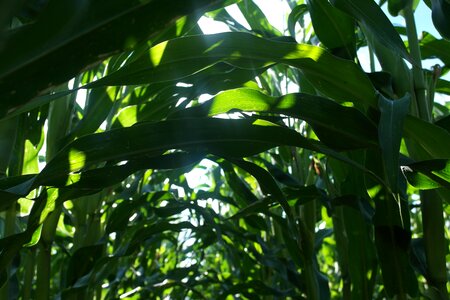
(143, 158)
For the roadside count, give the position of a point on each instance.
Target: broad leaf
(443, 86)
(428, 174)
(296, 14)
(430, 47)
(440, 12)
(372, 18)
(70, 34)
(335, 29)
(257, 20)
(390, 127)
(433, 139)
(240, 138)
(268, 186)
(395, 6)
(179, 58)
(337, 126)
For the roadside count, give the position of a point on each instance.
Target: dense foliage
(143, 159)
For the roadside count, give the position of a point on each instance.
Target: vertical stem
(58, 124)
(43, 272)
(29, 266)
(372, 60)
(307, 238)
(432, 212)
(434, 240)
(420, 88)
(307, 231)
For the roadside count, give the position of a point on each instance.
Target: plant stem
(432, 212)
(372, 60)
(59, 113)
(43, 271)
(308, 220)
(307, 232)
(434, 241)
(418, 77)
(29, 266)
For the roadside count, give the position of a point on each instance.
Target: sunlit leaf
(429, 174)
(373, 19)
(294, 17)
(337, 126)
(179, 58)
(434, 139)
(335, 29)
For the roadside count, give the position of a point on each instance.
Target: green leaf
(234, 138)
(383, 82)
(109, 175)
(241, 191)
(392, 244)
(393, 64)
(179, 58)
(143, 144)
(444, 123)
(433, 139)
(7, 11)
(257, 20)
(371, 17)
(429, 174)
(440, 10)
(390, 127)
(259, 206)
(334, 28)
(99, 105)
(8, 129)
(294, 16)
(340, 127)
(81, 262)
(443, 86)
(430, 47)
(395, 6)
(148, 232)
(119, 217)
(70, 34)
(267, 183)
(229, 138)
(357, 243)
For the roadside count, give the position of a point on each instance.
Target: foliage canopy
(142, 158)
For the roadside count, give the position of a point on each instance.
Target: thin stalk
(339, 234)
(432, 212)
(58, 124)
(437, 71)
(29, 268)
(43, 271)
(372, 60)
(307, 231)
(307, 238)
(434, 240)
(342, 250)
(420, 87)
